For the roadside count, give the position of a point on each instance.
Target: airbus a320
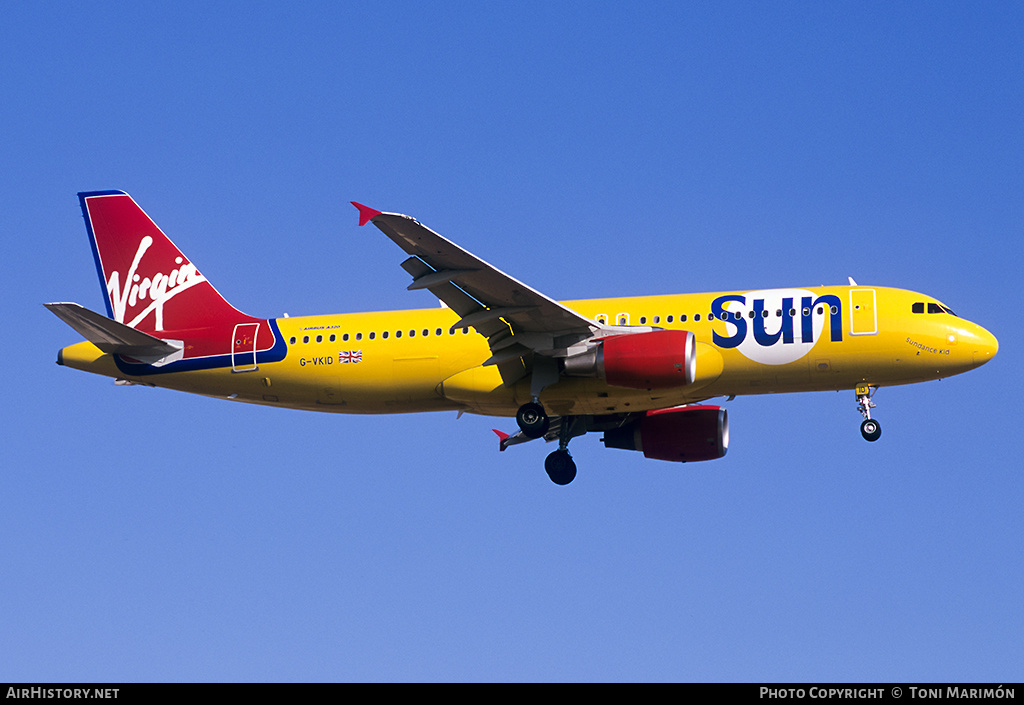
(640, 370)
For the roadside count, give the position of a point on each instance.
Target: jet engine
(657, 359)
(684, 434)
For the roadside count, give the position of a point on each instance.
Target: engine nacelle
(685, 434)
(658, 359)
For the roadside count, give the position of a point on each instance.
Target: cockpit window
(932, 308)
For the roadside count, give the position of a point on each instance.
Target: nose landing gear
(871, 430)
(869, 427)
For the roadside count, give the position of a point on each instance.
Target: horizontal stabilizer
(110, 336)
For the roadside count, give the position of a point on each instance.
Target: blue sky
(589, 149)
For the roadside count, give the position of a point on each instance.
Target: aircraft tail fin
(148, 283)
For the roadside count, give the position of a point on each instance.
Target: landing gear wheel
(532, 419)
(871, 430)
(561, 468)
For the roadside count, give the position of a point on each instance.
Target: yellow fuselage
(770, 342)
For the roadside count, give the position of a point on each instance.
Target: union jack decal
(353, 356)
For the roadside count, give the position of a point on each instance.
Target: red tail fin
(149, 284)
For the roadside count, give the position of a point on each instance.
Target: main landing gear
(534, 422)
(560, 466)
(532, 419)
(869, 427)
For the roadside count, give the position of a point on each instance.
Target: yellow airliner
(636, 369)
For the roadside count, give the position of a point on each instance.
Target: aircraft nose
(985, 346)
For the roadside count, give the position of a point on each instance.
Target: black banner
(811, 692)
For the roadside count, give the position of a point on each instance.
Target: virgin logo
(157, 290)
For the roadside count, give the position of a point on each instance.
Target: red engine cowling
(658, 359)
(684, 434)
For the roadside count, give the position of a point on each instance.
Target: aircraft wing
(483, 295)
